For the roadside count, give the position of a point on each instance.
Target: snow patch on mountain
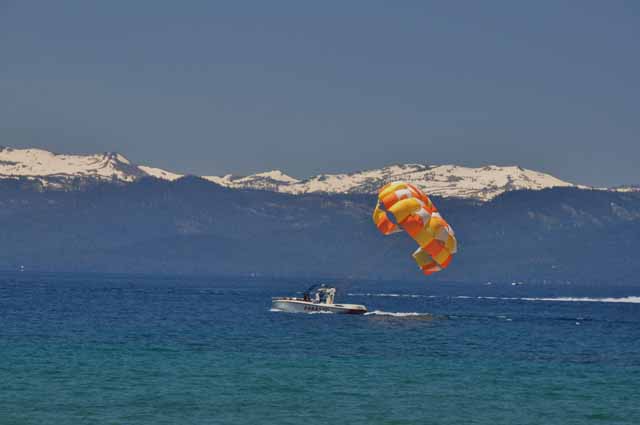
(159, 173)
(627, 188)
(481, 183)
(274, 180)
(55, 169)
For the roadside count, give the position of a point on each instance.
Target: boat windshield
(320, 293)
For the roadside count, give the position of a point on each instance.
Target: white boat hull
(297, 305)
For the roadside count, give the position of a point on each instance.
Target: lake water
(85, 349)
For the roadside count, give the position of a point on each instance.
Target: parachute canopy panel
(402, 206)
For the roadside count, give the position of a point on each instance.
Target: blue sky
(214, 87)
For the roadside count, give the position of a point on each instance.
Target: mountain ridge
(60, 171)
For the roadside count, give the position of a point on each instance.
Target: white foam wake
(390, 295)
(629, 299)
(632, 300)
(396, 314)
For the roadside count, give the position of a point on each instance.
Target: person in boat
(305, 297)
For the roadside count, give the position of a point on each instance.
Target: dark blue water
(78, 349)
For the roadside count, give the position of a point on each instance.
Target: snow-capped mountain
(482, 183)
(56, 169)
(274, 180)
(627, 188)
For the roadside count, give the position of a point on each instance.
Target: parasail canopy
(402, 206)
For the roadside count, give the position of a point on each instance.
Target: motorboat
(317, 299)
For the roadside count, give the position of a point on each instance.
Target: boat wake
(632, 300)
(404, 315)
(391, 295)
(629, 299)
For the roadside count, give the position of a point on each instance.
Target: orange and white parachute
(402, 206)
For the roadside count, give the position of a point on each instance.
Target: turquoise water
(77, 349)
